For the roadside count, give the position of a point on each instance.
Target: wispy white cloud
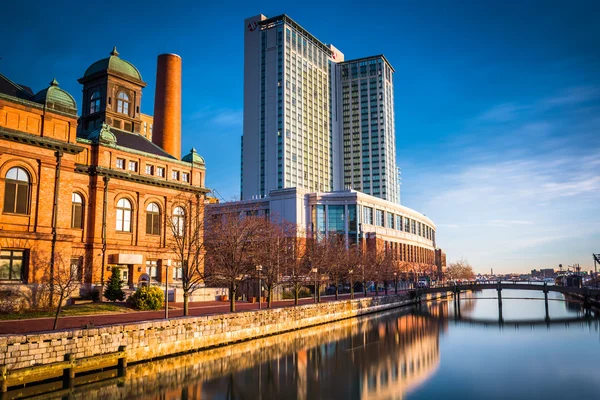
(451, 226)
(221, 117)
(525, 184)
(502, 113)
(576, 95)
(504, 222)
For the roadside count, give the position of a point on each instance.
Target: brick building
(93, 191)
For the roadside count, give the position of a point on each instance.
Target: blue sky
(497, 103)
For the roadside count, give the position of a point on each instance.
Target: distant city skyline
(497, 106)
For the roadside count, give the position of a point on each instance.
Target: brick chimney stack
(167, 105)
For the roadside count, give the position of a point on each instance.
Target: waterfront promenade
(175, 310)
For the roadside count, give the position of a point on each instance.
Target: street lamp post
(259, 268)
(351, 284)
(315, 272)
(168, 264)
(396, 282)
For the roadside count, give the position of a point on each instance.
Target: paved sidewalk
(24, 326)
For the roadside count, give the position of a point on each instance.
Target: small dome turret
(194, 157)
(115, 64)
(56, 98)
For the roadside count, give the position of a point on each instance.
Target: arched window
(95, 102)
(123, 103)
(152, 219)
(76, 211)
(124, 215)
(16, 191)
(178, 221)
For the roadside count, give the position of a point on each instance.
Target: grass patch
(80, 309)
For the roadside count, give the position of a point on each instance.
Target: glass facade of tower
(368, 127)
(303, 113)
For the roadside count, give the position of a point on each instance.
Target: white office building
(312, 120)
(288, 102)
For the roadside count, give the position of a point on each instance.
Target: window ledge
(15, 214)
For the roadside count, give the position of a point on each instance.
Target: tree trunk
(231, 299)
(270, 300)
(337, 291)
(296, 292)
(376, 289)
(186, 300)
(385, 285)
(58, 307)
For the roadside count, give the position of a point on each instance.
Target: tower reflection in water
(379, 357)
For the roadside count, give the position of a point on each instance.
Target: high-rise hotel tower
(311, 120)
(368, 132)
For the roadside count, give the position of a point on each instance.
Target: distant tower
(167, 105)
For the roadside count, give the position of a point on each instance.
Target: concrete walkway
(24, 326)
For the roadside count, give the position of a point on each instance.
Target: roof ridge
(16, 85)
(144, 138)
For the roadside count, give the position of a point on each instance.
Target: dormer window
(95, 103)
(123, 103)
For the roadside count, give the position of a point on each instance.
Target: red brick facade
(43, 141)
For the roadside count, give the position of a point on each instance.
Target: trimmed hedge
(147, 298)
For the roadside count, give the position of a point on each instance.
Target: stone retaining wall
(153, 339)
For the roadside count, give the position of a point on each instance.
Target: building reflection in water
(380, 356)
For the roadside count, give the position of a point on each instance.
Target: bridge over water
(584, 291)
(588, 295)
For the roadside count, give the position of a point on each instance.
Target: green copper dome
(56, 98)
(114, 63)
(103, 135)
(193, 157)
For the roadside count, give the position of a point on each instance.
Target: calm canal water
(414, 353)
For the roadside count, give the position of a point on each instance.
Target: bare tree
(353, 262)
(232, 240)
(273, 252)
(387, 270)
(376, 260)
(64, 280)
(297, 269)
(336, 256)
(317, 258)
(186, 241)
(460, 270)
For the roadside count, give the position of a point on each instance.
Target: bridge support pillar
(546, 301)
(499, 289)
(587, 304)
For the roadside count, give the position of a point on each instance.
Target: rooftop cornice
(34, 140)
(369, 58)
(111, 173)
(33, 104)
(267, 23)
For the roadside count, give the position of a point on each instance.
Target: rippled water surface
(440, 350)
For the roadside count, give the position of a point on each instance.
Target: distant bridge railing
(516, 285)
